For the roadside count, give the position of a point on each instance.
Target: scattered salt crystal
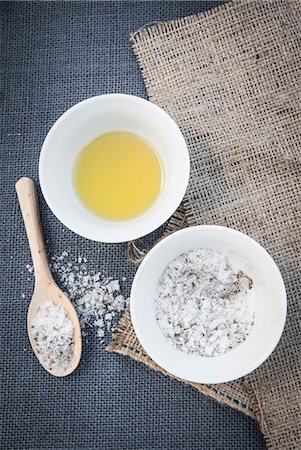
(113, 286)
(23, 295)
(96, 277)
(30, 271)
(119, 298)
(53, 331)
(100, 333)
(99, 322)
(204, 306)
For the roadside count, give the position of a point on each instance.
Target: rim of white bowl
(138, 326)
(137, 230)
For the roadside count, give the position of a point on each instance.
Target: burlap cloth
(231, 80)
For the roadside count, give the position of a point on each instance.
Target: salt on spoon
(46, 292)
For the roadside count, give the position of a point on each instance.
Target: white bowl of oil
(114, 168)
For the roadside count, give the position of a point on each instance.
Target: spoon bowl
(44, 292)
(45, 289)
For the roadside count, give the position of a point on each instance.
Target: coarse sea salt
(203, 305)
(97, 298)
(53, 334)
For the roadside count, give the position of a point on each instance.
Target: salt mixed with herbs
(53, 334)
(96, 297)
(203, 305)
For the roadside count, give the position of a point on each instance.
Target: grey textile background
(54, 54)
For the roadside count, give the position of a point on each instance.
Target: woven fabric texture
(52, 55)
(231, 80)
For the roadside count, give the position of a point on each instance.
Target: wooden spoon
(45, 289)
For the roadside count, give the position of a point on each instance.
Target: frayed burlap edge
(178, 220)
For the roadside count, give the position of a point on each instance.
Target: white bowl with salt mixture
(208, 304)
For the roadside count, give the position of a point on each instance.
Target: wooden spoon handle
(28, 200)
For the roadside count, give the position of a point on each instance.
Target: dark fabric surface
(54, 54)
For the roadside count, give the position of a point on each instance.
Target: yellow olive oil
(118, 176)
